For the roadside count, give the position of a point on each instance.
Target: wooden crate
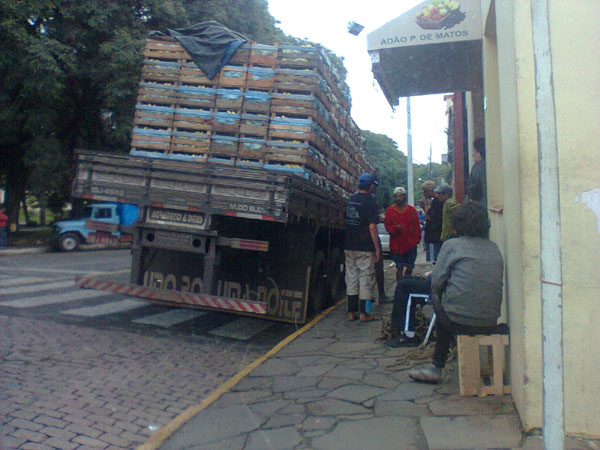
(223, 145)
(283, 128)
(196, 97)
(254, 124)
(192, 119)
(265, 55)
(226, 122)
(192, 75)
(157, 94)
(229, 99)
(164, 50)
(190, 142)
(290, 56)
(232, 76)
(160, 71)
(153, 116)
(151, 139)
(256, 102)
(260, 78)
(251, 149)
(241, 56)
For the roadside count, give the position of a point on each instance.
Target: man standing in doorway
(362, 249)
(402, 223)
(476, 186)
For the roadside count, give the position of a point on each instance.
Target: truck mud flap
(174, 298)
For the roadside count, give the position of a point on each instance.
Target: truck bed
(205, 188)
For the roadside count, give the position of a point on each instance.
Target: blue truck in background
(102, 223)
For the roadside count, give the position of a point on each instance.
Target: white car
(384, 237)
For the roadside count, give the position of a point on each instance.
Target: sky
(325, 22)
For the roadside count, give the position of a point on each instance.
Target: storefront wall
(574, 28)
(575, 41)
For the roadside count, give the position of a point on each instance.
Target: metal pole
(409, 168)
(550, 239)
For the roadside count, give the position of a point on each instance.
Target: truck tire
(68, 242)
(317, 293)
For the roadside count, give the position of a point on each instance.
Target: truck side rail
(207, 188)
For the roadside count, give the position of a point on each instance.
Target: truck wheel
(68, 242)
(317, 297)
(337, 284)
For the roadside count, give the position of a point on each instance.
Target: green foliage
(391, 166)
(69, 72)
(390, 163)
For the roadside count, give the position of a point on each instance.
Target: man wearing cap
(402, 223)
(362, 248)
(433, 221)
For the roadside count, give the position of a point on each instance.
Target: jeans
(446, 330)
(2, 237)
(405, 287)
(433, 249)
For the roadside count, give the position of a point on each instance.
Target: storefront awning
(431, 49)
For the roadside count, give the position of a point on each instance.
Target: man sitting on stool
(466, 285)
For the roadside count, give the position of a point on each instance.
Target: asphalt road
(82, 368)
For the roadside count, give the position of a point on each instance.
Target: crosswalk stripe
(53, 298)
(22, 280)
(105, 308)
(243, 329)
(37, 287)
(169, 318)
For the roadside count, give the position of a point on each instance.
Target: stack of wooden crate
(275, 107)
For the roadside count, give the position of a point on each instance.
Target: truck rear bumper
(174, 297)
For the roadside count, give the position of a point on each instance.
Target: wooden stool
(469, 364)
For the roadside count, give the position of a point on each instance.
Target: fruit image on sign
(440, 14)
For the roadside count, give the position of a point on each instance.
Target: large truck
(241, 182)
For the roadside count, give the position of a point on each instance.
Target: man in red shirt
(403, 225)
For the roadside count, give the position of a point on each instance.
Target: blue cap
(366, 180)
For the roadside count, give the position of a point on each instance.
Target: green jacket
(450, 206)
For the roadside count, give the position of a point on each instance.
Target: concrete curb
(158, 438)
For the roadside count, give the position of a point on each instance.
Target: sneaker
(403, 341)
(431, 374)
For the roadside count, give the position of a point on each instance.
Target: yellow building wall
(511, 136)
(575, 44)
(531, 410)
(575, 38)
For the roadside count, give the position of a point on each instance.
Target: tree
(69, 74)
(32, 67)
(391, 166)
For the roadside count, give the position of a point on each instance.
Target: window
(103, 213)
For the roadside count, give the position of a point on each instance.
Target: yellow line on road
(158, 438)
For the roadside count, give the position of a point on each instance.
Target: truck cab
(100, 224)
